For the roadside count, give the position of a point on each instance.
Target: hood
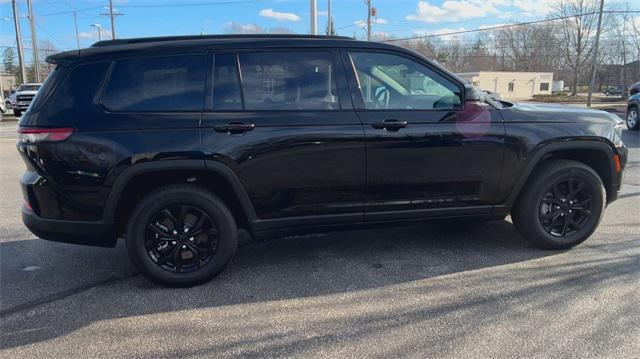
(544, 112)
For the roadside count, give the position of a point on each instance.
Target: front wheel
(633, 123)
(561, 206)
(181, 235)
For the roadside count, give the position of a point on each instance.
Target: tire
(17, 113)
(633, 118)
(162, 254)
(546, 218)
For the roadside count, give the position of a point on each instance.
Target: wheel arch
(138, 180)
(596, 154)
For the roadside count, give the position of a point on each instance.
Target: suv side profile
(176, 144)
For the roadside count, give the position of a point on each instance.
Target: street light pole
(99, 27)
(314, 27)
(16, 22)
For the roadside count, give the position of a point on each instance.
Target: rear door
(282, 120)
(428, 153)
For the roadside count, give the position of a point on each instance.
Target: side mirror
(473, 94)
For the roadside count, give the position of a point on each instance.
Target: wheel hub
(565, 207)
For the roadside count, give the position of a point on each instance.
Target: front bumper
(91, 233)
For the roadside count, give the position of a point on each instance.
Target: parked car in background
(176, 144)
(3, 107)
(633, 108)
(614, 90)
(634, 89)
(23, 97)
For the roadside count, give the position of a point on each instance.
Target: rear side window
(288, 81)
(226, 84)
(76, 91)
(168, 84)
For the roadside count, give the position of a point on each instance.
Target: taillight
(35, 135)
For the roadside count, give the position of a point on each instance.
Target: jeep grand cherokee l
(176, 144)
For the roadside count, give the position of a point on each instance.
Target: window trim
(356, 93)
(109, 73)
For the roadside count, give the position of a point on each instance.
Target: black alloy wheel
(181, 235)
(565, 208)
(560, 205)
(181, 238)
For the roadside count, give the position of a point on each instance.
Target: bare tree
(578, 29)
(530, 47)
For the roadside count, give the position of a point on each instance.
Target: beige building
(7, 82)
(512, 85)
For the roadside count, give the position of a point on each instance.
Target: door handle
(390, 125)
(234, 127)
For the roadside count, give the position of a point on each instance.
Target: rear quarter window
(157, 84)
(75, 91)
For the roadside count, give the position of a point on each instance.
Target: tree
(9, 61)
(577, 31)
(329, 28)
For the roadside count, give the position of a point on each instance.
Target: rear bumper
(91, 233)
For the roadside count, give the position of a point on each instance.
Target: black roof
(137, 40)
(186, 43)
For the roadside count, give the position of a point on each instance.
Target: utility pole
(16, 22)
(329, 21)
(368, 20)
(314, 27)
(34, 41)
(75, 22)
(112, 15)
(594, 62)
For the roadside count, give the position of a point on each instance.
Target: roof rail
(214, 37)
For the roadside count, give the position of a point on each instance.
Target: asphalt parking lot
(430, 290)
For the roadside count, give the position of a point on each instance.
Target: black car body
(318, 149)
(633, 111)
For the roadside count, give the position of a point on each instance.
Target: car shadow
(340, 263)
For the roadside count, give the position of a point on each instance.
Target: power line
(508, 25)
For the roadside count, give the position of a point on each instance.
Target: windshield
(28, 88)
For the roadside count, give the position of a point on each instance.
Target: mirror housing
(473, 94)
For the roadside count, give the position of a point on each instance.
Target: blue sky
(173, 17)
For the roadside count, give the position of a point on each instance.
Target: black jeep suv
(178, 143)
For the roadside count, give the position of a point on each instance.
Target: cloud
(237, 28)
(93, 35)
(323, 13)
(280, 16)
(375, 21)
(455, 10)
(440, 32)
(535, 7)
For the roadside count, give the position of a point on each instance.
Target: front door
(428, 152)
(285, 125)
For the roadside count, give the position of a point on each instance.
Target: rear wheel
(561, 206)
(633, 123)
(181, 235)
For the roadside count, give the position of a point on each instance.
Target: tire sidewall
(637, 124)
(532, 227)
(227, 235)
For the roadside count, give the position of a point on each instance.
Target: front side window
(389, 81)
(172, 83)
(288, 81)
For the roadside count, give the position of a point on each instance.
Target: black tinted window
(226, 84)
(173, 83)
(77, 90)
(288, 81)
